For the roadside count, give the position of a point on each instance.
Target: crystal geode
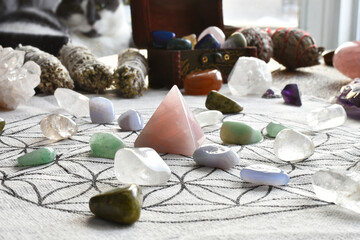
(17, 79)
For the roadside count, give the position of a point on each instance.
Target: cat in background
(101, 25)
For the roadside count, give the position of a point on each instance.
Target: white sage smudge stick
(53, 74)
(88, 73)
(130, 75)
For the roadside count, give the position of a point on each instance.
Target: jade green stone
(105, 145)
(37, 157)
(273, 129)
(2, 124)
(218, 101)
(178, 44)
(233, 132)
(122, 205)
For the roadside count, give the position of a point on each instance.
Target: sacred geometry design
(193, 194)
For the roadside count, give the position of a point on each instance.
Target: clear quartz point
(73, 102)
(58, 127)
(327, 117)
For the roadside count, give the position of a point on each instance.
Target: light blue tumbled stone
(264, 175)
(216, 156)
(101, 110)
(131, 120)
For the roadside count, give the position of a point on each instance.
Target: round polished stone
(264, 175)
(216, 156)
(273, 128)
(58, 127)
(236, 40)
(37, 157)
(208, 118)
(161, 38)
(234, 132)
(203, 82)
(178, 44)
(220, 102)
(105, 145)
(101, 110)
(131, 120)
(208, 42)
(215, 31)
(327, 117)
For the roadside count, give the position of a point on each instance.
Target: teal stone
(37, 157)
(233, 132)
(218, 101)
(273, 129)
(178, 44)
(2, 124)
(105, 145)
(122, 205)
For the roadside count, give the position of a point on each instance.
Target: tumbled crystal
(208, 118)
(208, 42)
(220, 102)
(192, 38)
(202, 82)
(57, 127)
(172, 128)
(142, 166)
(216, 156)
(293, 146)
(101, 110)
(236, 40)
(291, 95)
(264, 175)
(37, 157)
(271, 93)
(161, 38)
(338, 186)
(347, 59)
(131, 120)
(2, 124)
(234, 132)
(249, 76)
(349, 98)
(122, 205)
(215, 31)
(105, 145)
(326, 117)
(73, 102)
(274, 128)
(178, 44)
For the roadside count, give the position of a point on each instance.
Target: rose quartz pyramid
(172, 128)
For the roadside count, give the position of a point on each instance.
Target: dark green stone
(217, 101)
(37, 157)
(273, 129)
(2, 124)
(178, 44)
(122, 205)
(234, 132)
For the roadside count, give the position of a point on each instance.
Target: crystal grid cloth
(51, 201)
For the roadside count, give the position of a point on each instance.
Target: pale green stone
(274, 128)
(233, 132)
(37, 157)
(105, 145)
(2, 124)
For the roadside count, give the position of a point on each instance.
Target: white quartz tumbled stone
(142, 166)
(208, 118)
(73, 102)
(249, 76)
(58, 127)
(293, 146)
(338, 186)
(326, 117)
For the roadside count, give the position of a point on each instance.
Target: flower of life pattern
(193, 193)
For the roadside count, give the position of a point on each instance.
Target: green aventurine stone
(122, 205)
(2, 124)
(37, 157)
(105, 145)
(273, 129)
(239, 133)
(217, 101)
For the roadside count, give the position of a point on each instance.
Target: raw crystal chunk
(215, 31)
(101, 110)
(17, 79)
(291, 95)
(202, 82)
(142, 166)
(327, 117)
(216, 156)
(192, 38)
(105, 145)
(208, 42)
(271, 93)
(264, 174)
(178, 44)
(122, 205)
(273, 129)
(236, 40)
(172, 128)
(57, 127)
(293, 146)
(249, 76)
(73, 102)
(160, 38)
(218, 101)
(338, 186)
(131, 120)
(2, 124)
(37, 157)
(233, 132)
(208, 118)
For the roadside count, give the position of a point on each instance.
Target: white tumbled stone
(208, 118)
(73, 102)
(327, 117)
(58, 127)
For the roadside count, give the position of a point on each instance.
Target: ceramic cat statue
(100, 25)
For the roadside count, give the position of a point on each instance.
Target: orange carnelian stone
(203, 82)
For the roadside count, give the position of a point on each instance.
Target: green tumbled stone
(273, 129)
(217, 101)
(178, 44)
(233, 132)
(37, 157)
(2, 124)
(122, 205)
(105, 145)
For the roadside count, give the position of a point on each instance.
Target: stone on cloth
(58, 127)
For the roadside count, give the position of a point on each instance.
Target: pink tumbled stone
(172, 128)
(217, 32)
(347, 59)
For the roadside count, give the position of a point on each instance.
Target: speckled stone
(218, 101)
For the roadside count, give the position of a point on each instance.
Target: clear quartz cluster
(17, 79)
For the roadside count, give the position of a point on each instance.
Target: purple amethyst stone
(291, 95)
(349, 98)
(271, 94)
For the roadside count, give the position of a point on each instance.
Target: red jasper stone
(347, 59)
(203, 82)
